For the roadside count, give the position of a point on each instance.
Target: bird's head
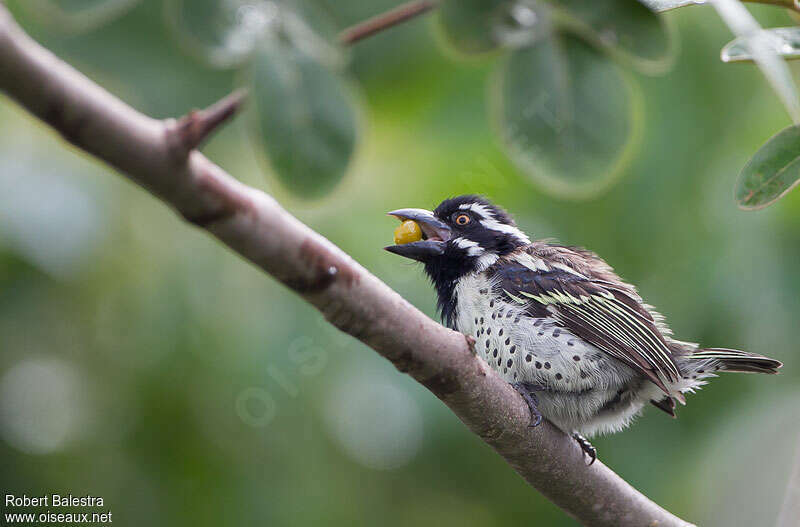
(463, 235)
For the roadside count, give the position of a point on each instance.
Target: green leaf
(224, 33)
(784, 41)
(306, 118)
(772, 172)
(77, 16)
(567, 115)
(466, 25)
(666, 5)
(628, 29)
(473, 27)
(742, 23)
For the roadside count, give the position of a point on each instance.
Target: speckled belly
(576, 378)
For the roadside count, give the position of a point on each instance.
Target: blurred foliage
(77, 16)
(166, 375)
(545, 96)
(665, 5)
(772, 172)
(628, 29)
(305, 116)
(214, 31)
(784, 40)
(567, 114)
(304, 108)
(476, 26)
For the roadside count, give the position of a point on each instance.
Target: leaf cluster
(565, 99)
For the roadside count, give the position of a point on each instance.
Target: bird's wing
(603, 312)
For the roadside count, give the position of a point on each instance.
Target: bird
(556, 322)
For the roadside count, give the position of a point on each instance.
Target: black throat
(445, 271)
(444, 274)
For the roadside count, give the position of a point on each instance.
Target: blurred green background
(143, 362)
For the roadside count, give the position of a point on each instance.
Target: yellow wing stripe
(616, 318)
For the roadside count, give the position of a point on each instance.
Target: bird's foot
(586, 446)
(526, 390)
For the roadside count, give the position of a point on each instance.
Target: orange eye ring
(462, 219)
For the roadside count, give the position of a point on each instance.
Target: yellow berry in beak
(407, 232)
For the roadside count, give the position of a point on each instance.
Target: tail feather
(736, 360)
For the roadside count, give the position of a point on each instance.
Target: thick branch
(386, 20)
(153, 154)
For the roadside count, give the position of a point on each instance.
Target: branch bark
(159, 156)
(386, 20)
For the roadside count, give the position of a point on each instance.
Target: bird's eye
(462, 219)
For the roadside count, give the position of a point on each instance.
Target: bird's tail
(736, 360)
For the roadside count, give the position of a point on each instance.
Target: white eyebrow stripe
(477, 208)
(508, 229)
(489, 222)
(473, 249)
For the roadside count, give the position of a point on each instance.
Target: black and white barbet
(557, 323)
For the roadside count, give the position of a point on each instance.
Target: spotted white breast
(577, 378)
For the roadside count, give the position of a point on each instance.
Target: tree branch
(193, 129)
(415, 8)
(153, 153)
(386, 20)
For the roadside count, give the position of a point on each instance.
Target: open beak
(435, 234)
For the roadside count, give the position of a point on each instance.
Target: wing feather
(607, 314)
